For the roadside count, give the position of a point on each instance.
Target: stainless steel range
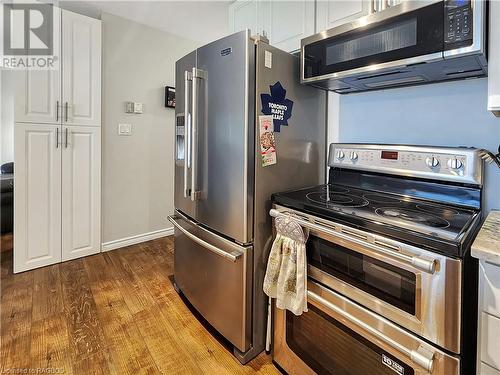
(392, 287)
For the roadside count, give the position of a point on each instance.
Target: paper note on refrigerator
(267, 142)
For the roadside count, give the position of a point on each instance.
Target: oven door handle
(426, 265)
(421, 356)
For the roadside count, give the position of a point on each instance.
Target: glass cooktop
(427, 219)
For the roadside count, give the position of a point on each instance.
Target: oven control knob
(340, 154)
(354, 156)
(432, 162)
(455, 163)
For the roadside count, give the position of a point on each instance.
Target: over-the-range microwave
(410, 43)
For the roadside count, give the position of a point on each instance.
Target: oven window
(382, 280)
(329, 347)
(412, 34)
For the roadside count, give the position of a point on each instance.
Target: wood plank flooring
(112, 313)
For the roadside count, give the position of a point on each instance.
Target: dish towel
(286, 274)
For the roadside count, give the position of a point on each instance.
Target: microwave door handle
(423, 358)
(187, 131)
(426, 265)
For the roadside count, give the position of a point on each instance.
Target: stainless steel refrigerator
(223, 232)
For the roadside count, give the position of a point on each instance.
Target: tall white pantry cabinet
(57, 151)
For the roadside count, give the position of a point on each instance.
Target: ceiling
(201, 21)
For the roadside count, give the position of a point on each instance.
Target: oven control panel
(449, 164)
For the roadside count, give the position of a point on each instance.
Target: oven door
(337, 336)
(409, 33)
(417, 289)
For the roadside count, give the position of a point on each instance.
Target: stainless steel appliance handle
(425, 265)
(203, 243)
(423, 359)
(194, 135)
(187, 131)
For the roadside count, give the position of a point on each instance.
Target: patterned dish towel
(286, 274)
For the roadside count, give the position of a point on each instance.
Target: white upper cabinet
(248, 14)
(290, 21)
(81, 191)
(70, 94)
(332, 13)
(81, 70)
(286, 22)
(38, 96)
(37, 196)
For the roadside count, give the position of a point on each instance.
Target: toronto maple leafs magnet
(277, 105)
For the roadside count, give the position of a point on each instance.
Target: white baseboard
(122, 242)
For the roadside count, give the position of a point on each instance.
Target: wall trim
(127, 241)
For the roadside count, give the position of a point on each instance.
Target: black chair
(6, 197)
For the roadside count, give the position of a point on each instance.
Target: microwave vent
(378, 75)
(465, 73)
(396, 82)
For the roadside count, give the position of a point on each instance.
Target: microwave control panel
(452, 164)
(457, 23)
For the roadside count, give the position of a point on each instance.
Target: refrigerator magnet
(267, 141)
(277, 105)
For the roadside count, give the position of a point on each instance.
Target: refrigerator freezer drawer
(215, 275)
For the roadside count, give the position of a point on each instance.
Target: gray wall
(137, 172)
(447, 114)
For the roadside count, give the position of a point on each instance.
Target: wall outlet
(124, 129)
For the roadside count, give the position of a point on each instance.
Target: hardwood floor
(112, 313)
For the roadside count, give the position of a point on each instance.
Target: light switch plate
(137, 107)
(124, 129)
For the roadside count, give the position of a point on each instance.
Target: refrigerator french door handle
(188, 79)
(197, 76)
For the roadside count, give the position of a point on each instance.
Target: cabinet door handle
(57, 111)
(66, 138)
(57, 137)
(66, 111)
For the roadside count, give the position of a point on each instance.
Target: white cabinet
(81, 70)
(38, 96)
(37, 196)
(290, 21)
(332, 13)
(57, 142)
(494, 58)
(57, 195)
(72, 93)
(249, 14)
(285, 23)
(81, 191)
(489, 319)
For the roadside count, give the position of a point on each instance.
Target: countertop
(486, 246)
